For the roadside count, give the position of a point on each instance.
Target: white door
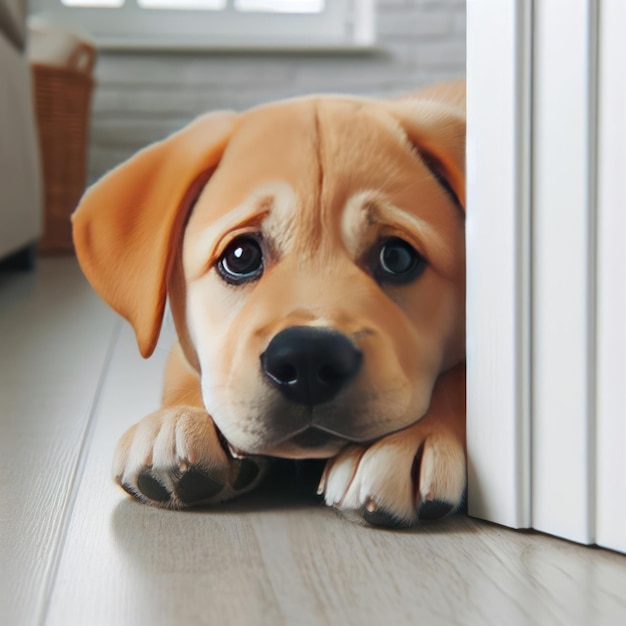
(546, 265)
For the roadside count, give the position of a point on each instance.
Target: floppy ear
(436, 130)
(127, 225)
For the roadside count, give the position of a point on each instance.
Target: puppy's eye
(241, 262)
(398, 262)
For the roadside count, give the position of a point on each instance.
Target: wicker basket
(62, 103)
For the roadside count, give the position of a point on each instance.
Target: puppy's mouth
(315, 438)
(309, 441)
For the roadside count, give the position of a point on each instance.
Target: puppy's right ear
(127, 226)
(436, 131)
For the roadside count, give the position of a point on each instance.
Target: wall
(142, 97)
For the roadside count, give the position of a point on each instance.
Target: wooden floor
(75, 550)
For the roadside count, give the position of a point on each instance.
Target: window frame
(341, 25)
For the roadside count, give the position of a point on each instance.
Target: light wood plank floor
(74, 550)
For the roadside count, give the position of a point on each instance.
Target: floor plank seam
(76, 477)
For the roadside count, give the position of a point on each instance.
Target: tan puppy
(312, 252)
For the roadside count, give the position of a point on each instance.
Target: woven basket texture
(63, 106)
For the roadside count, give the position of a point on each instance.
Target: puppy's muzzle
(310, 366)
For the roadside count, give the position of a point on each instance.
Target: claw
(370, 505)
(235, 453)
(321, 488)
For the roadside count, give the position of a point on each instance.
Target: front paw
(417, 474)
(174, 458)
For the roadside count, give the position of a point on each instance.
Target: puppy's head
(313, 254)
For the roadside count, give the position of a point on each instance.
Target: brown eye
(398, 262)
(241, 262)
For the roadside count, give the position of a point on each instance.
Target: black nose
(310, 365)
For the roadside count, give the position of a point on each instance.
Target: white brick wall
(143, 97)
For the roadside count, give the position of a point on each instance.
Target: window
(217, 24)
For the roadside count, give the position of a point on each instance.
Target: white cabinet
(20, 170)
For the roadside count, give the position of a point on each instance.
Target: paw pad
(383, 518)
(433, 509)
(197, 486)
(194, 486)
(152, 488)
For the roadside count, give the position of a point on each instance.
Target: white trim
(344, 25)
(611, 390)
(498, 148)
(563, 444)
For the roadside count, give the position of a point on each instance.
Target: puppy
(312, 252)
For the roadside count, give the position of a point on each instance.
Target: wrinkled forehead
(312, 172)
(273, 143)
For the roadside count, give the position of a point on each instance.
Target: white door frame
(498, 260)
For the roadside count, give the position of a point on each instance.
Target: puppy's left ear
(437, 132)
(128, 225)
